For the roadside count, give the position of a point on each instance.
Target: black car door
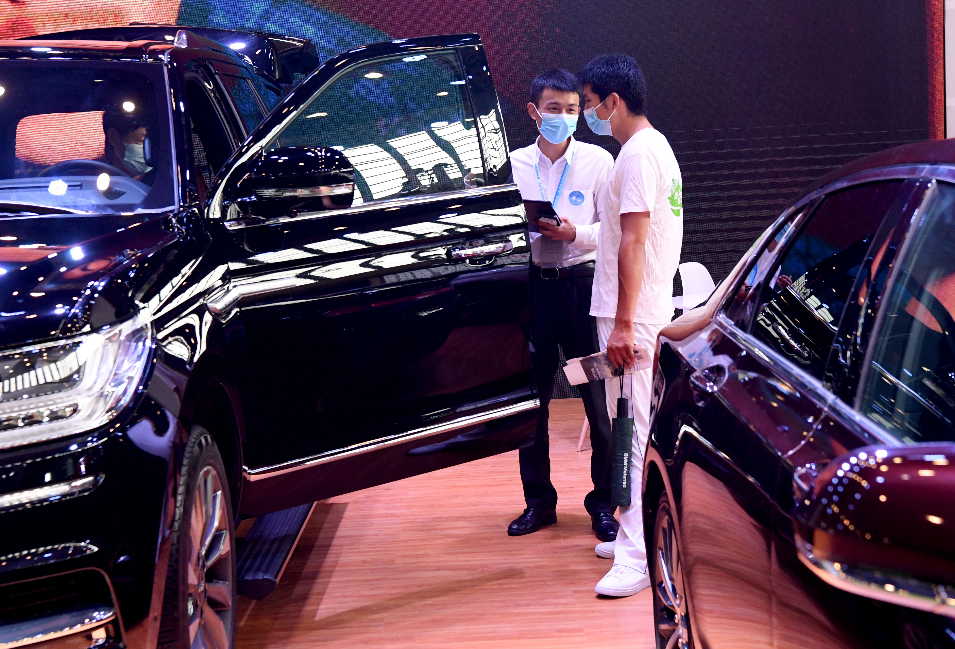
(893, 385)
(386, 338)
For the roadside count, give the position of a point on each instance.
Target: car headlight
(71, 386)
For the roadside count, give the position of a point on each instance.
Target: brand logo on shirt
(676, 197)
(576, 198)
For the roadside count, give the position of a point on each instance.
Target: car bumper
(83, 520)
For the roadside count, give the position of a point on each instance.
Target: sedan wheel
(670, 609)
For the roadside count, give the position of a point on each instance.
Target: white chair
(697, 285)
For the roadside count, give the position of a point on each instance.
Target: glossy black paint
(732, 459)
(325, 349)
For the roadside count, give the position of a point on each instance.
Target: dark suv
(799, 488)
(217, 303)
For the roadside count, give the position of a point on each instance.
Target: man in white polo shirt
(641, 233)
(569, 175)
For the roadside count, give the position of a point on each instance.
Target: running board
(265, 550)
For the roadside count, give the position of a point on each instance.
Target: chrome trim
(224, 300)
(49, 493)
(385, 442)
(393, 204)
(907, 390)
(46, 555)
(308, 192)
(483, 251)
(54, 625)
(695, 434)
(885, 587)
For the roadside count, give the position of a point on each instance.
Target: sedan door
(894, 363)
(385, 337)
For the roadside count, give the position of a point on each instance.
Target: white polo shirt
(589, 167)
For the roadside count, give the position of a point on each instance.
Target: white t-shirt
(645, 178)
(578, 197)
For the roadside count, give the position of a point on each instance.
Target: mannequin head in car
(125, 141)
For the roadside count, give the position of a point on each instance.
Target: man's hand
(563, 232)
(620, 345)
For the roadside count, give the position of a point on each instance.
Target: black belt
(586, 268)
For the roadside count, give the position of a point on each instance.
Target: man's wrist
(626, 323)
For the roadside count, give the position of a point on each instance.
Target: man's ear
(613, 102)
(533, 113)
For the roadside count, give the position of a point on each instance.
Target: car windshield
(83, 136)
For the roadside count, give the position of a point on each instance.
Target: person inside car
(125, 143)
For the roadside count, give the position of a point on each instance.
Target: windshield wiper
(39, 210)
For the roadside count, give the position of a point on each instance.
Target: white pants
(630, 547)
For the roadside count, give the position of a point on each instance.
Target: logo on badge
(576, 198)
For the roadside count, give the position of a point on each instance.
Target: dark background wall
(757, 97)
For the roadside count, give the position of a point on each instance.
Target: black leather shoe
(531, 520)
(605, 526)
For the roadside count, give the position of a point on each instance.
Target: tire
(199, 604)
(671, 610)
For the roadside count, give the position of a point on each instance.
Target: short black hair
(560, 80)
(617, 73)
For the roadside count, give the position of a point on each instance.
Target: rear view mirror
(290, 180)
(880, 523)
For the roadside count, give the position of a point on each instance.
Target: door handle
(790, 342)
(803, 480)
(488, 250)
(707, 382)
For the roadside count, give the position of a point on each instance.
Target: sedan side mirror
(879, 522)
(290, 180)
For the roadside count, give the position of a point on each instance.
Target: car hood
(62, 274)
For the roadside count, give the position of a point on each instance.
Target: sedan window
(909, 386)
(802, 300)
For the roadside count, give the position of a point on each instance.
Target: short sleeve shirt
(645, 178)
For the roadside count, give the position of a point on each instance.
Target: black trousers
(562, 317)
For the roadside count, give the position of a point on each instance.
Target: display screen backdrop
(757, 97)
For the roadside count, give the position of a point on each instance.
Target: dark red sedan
(799, 486)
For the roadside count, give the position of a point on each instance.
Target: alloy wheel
(669, 594)
(209, 592)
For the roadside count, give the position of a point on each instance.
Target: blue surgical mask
(135, 158)
(556, 128)
(597, 125)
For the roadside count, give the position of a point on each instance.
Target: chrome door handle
(790, 342)
(488, 250)
(707, 382)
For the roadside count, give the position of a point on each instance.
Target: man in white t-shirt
(638, 252)
(568, 174)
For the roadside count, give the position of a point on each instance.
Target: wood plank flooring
(426, 562)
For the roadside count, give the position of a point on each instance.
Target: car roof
(930, 152)
(95, 49)
(276, 56)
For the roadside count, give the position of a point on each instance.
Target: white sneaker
(622, 581)
(605, 550)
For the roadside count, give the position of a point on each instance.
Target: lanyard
(560, 185)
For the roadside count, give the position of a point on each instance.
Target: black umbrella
(622, 427)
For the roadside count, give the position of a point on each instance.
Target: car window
(405, 124)
(207, 124)
(85, 136)
(801, 303)
(244, 99)
(909, 385)
(270, 96)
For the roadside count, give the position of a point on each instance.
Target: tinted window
(405, 124)
(909, 386)
(244, 99)
(801, 303)
(270, 96)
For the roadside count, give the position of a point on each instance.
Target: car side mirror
(879, 522)
(291, 180)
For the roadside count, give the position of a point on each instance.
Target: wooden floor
(426, 562)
